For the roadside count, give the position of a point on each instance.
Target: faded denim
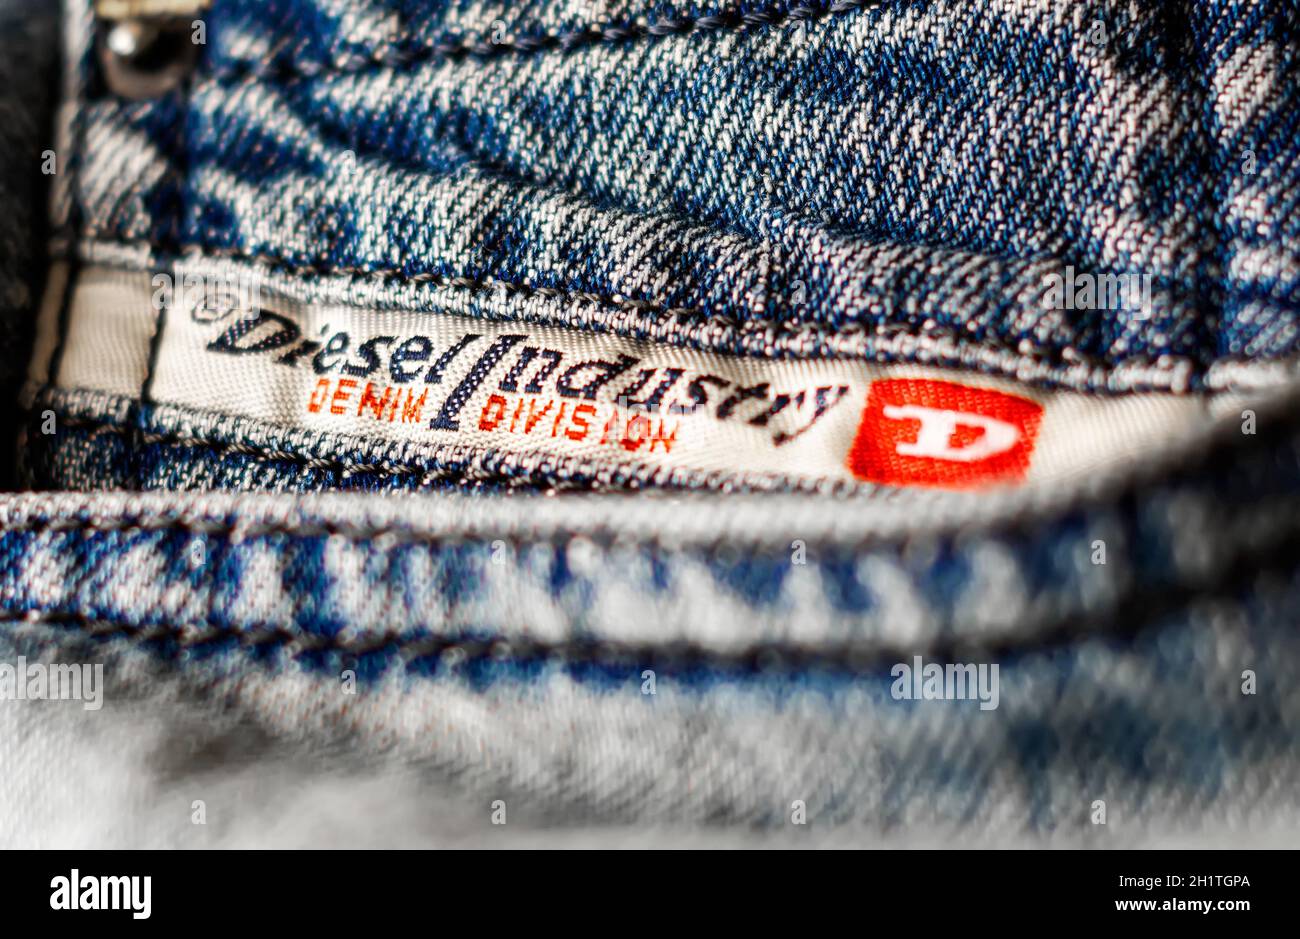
(909, 171)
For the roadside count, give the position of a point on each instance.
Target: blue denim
(825, 220)
(869, 181)
(571, 145)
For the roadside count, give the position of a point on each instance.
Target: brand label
(918, 432)
(437, 380)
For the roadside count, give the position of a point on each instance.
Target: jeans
(600, 419)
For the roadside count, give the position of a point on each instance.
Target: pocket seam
(649, 314)
(391, 56)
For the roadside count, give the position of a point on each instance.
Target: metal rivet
(145, 58)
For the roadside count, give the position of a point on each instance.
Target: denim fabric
(885, 182)
(710, 171)
(522, 678)
(774, 183)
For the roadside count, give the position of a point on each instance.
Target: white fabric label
(514, 388)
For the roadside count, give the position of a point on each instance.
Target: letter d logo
(917, 432)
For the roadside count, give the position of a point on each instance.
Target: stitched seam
(396, 58)
(1137, 611)
(684, 315)
(461, 650)
(394, 535)
(109, 238)
(1211, 268)
(1133, 611)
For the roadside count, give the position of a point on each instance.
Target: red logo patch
(916, 432)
